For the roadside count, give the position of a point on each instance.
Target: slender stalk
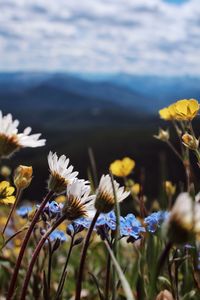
(107, 283)
(63, 275)
(36, 253)
(49, 266)
(174, 150)
(179, 134)
(18, 195)
(13, 236)
(186, 164)
(117, 234)
(93, 166)
(24, 244)
(124, 282)
(83, 257)
(170, 276)
(162, 258)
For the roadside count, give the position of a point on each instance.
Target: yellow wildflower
(172, 110)
(182, 110)
(135, 188)
(186, 109)
(6, 193)
(170, 189)
(23, 177)
(122, 168)
(165, 114)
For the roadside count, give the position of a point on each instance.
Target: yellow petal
(115, 168)
(165, 114)
(4, 185)
(135, 188)
(10, 190)
(8, 200)
(128, 165)
(193, 106)
(122, 168)
(181, 107)
(172, 110)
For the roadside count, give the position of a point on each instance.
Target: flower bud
(190, 141)
(170, 189)
(135, 188)
(163, 135)
(78, 241)
(23, 177)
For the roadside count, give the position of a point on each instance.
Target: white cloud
(133, 36)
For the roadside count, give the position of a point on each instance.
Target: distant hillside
(162, 90)
(52, 100)
(115, 115)
(142, 94)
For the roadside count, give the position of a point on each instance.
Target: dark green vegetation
(113, 116)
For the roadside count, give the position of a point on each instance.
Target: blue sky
(160, 37)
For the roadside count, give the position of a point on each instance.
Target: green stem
(124, 282)
(163, 258)
(174, 150)
(18, 195)
(117, 234)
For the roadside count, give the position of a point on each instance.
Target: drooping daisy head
(79, 201)
(61, 174)
(105, 198)
(11, 140)
(183, 223)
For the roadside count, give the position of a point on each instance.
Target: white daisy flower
(184, 219)
(11, 140)
(61, 173)
(79, 202)
(105, 199)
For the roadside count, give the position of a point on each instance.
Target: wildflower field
(77, 244)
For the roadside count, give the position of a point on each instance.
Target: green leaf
(124, 282)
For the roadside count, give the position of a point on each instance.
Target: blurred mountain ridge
(144, 94)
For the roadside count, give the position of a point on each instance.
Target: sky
(159, 37)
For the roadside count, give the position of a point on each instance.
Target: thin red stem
(36, 253)
(24, 244)
(83, 257)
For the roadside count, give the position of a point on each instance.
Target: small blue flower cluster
(154, 220)
(58, 235)
(130, 226)
(53, 209)
(23, 211)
